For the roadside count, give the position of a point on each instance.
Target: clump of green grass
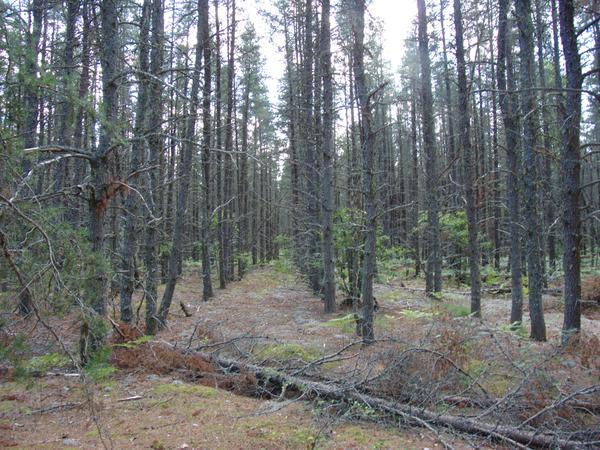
(456, 310)
(185, 389)
(135, 343)
(288, 351)
(416, 314)
(515, 328)
(99, 368)
(46, 362)
(347, 323)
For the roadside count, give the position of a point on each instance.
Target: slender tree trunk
(512, 133)
(530, 176)
(368, 150)
(571, 168)
(66, 119)
(228, 164)
(414, 187)
(465, 141)
(207, 289)
(327, 182)
(546, 157)
(219, 159)
(92, 333)
(32, 111)
(310, 156)
(450, 111)
(185, 168)
(434, 263)
(155, 150)
(243, 181)
(31, 94)
(137, 153)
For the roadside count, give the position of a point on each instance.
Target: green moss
(515, 328)
(185, 389)
(495, 379)
(456, 310)
(388, 296)
(7, 406)
(98, 368)
(347, 323)
(133, 344)
(93, 433)
(475, 367)
(282, 352)
(302, 438)
(416, 314)
(46, 362)
(355, 434)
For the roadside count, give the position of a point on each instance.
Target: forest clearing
(300, 224)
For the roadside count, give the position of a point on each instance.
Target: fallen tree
(272, 379)
(250, 379)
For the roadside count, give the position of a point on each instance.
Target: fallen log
(417, 416)
(492, 290)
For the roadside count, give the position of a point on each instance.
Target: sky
(397, 17)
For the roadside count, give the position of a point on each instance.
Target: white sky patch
(397, 17)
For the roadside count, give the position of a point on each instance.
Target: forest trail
(273, 303)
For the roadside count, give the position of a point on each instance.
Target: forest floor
(270, 318)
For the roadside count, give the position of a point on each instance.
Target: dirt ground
(269, 317)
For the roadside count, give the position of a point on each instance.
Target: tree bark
(137, 152)
(512, 141)
(465, 142)
(153, 189)
(207, 289)
(434, 263)
(327, 182)
(185, 167)
(92, 333)
(571, 168)
(530, 176)
(368, 150)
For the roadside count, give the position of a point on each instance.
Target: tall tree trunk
(465, 141)
(92, 333)
(185, 167)
(219, 157)
(327, 182)
(434, 263)
(512, 138)
(310, 158)
(243, 181)
(137, 153)
(32, 111)
(546, 157)
(414, 185)
(153, 189)
(207, 289)
(571, 168)
(450, 111)
(530, 176)
(368, 150)
(66, 119)
(228, 164)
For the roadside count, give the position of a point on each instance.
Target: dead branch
(334, 391)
